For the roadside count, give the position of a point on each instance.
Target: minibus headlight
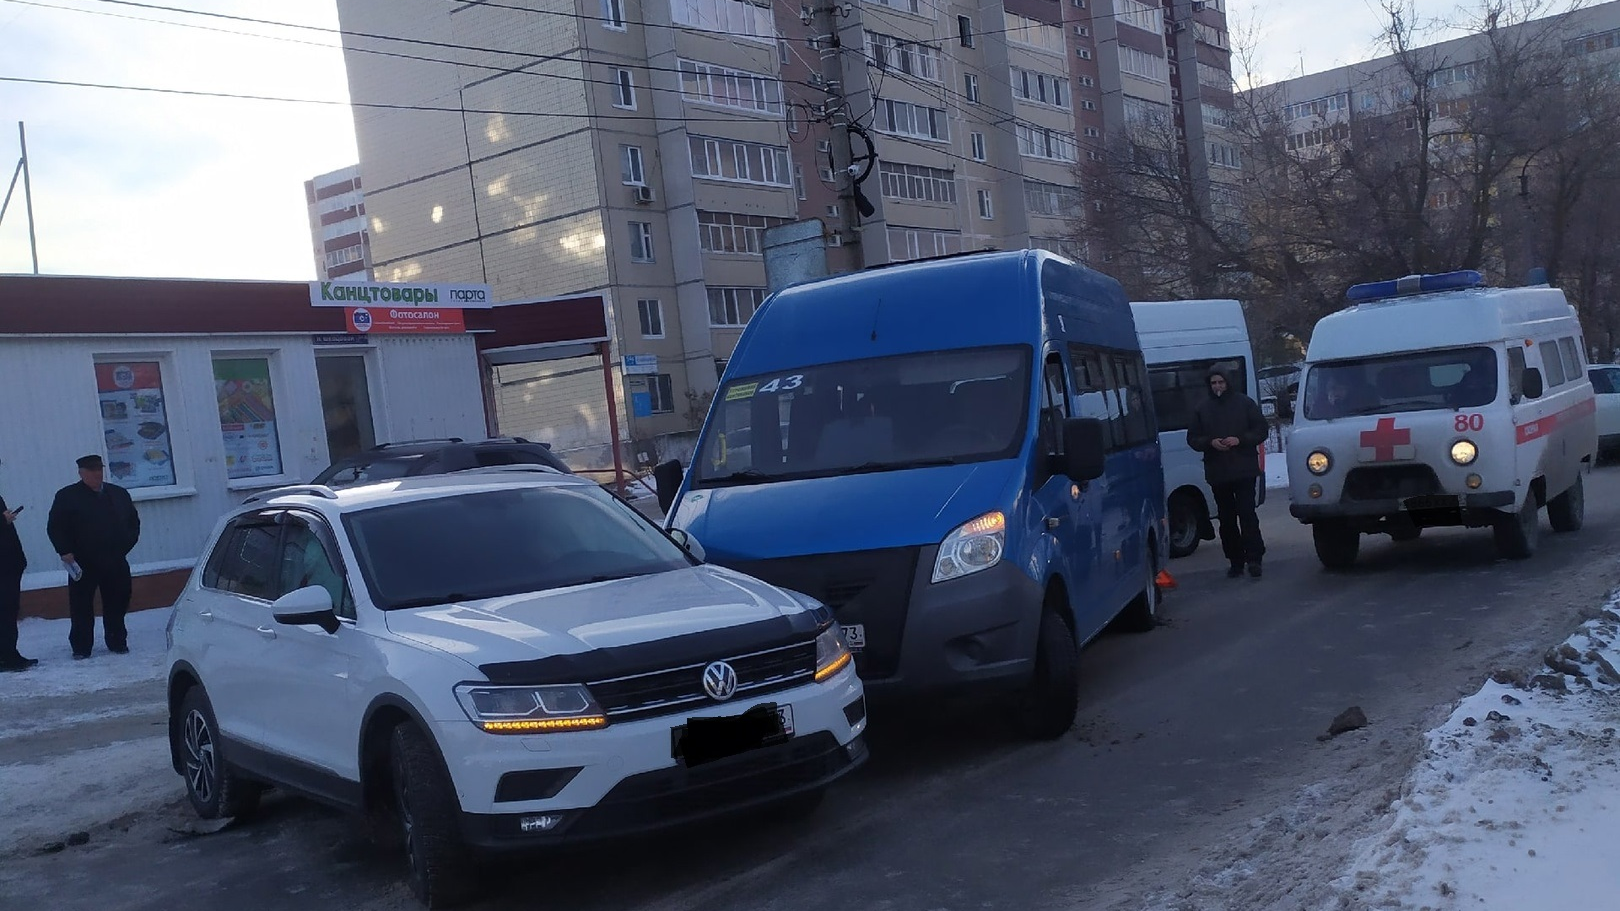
(974, 546)
(1319, 462)
(1464, 452)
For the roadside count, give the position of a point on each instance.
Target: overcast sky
(144, 184)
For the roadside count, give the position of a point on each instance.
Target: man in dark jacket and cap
(1228, 429)
(93, 525)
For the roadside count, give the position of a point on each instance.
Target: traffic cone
(1165, 581)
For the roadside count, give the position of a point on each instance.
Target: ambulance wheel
(1567, 511)
(1185, 513)
(1337, 544)
(1517, 532)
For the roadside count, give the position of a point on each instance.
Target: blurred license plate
(855, 636)
(705, 739)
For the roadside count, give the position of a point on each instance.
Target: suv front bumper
(1419, 507)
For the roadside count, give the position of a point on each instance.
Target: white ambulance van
(1433, 400)
(1181, 339)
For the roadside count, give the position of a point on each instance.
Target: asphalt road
(1186, 734)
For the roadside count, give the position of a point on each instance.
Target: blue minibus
(959, 456)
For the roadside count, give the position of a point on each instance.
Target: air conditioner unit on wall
(644, 194)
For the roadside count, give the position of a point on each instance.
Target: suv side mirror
(307, 606)
(667, 481)
(1532, 383)
(688, 543)
(1084, 453)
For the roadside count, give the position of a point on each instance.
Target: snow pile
(1516, 797)
(57, 674)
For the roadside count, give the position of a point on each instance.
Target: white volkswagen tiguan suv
(496, 659)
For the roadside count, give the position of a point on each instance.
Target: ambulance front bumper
(1435, 505)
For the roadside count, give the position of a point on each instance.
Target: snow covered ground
(1514, 804)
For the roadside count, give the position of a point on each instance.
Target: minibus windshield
(1413, 381)
(875, 414)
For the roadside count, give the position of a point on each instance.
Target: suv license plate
(705, 739)
(855, 636)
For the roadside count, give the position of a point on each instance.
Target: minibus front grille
(869, 587)
(1390, 482)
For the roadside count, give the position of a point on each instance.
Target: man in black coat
(93, 525)
(1228, 429)
(12, 564)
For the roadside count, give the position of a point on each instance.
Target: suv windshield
(876, 414)
(491, 544)
(1456, 378)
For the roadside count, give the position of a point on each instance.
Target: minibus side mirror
(667, 481)
(1084, 452)
(1532, 383)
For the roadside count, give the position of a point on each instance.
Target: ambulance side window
(1572, 357)
(1552, 364)
(1516, 366)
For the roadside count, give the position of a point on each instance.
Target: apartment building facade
(640, 149)
(337, 225)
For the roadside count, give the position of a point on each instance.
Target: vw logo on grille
(719, 681)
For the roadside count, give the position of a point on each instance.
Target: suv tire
(442, 872)
(213, 791)
(1053, 696)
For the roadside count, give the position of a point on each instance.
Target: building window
(970, 88)
(707, 83)
(1042, 88)
(1093, 133)
(624, 92)
(976, 144)
(1142, 64)
(1139, 14)
(1050, 199)
(652, 317)
(917, 243)
(630, 166)
(662, 393)
(910, 6)
(915, 182)
(964, 30)
(986, 208)
(899, 55)
(742, 162)
(641, 242)
(1087, 81)
(1224, 155)
(247, 417)
(613, 14)
(728, 232)
(907, 119)
(798, 180)
(1082, 53)
(1043, 142)
(135, 423)
(1088, 105)
(738, 18)
(1034, 33)
(733, 307)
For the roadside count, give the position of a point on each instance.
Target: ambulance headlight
(1319, 462)
(1464, 452)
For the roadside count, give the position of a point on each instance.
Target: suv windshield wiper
(867, 467)
(746, 476)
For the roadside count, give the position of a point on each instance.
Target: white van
(1180, 341)
(1435, 401)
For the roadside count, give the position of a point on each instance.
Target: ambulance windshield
(1452, 379)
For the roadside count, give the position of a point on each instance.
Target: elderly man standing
(1228, 429)
(93, 525)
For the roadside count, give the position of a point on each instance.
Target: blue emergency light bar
(1415, 284)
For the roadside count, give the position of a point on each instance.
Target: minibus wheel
(1337, 544)
(1567, 511)
(1053, 695)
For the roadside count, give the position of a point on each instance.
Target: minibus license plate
(855, 636)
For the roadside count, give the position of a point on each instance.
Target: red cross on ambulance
(1387, 443)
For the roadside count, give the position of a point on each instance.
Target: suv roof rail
(319, 490)
(519, 466)
(417, 442)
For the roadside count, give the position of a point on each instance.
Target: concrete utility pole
(828, 22)
(28, 194)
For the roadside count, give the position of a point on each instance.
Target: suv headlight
(974, 546)
(832, 653)
(531, 709)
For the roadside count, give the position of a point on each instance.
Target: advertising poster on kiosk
(135, 424)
